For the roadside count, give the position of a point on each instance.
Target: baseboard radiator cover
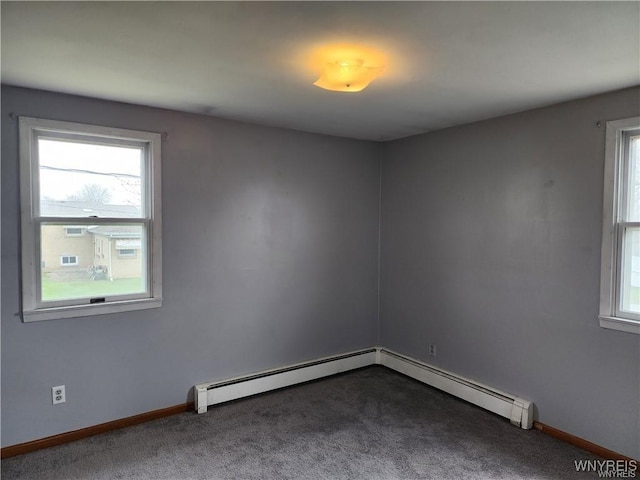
(519, 411)
(207, 394)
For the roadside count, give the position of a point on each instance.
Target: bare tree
(91, 192)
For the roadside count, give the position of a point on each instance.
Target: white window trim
(610, 217)
(66, 232)
(30, 128)
(77, 262)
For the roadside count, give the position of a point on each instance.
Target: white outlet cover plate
(58, 394)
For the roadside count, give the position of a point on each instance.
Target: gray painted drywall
(491, 251)
(270, 258)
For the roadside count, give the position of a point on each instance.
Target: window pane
(74, 231)
(633, 196)
(630, 288)
(92, 265)
(82, 179)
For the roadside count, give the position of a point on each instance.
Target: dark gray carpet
(367, 424)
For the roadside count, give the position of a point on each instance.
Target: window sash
(147, 265)
(91, 139)
(623, 268)
(626, 181)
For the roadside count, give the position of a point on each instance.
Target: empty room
(320, 240)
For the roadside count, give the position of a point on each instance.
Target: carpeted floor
(367, 424)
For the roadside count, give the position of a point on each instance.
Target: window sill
(620, 324)
(89, 310)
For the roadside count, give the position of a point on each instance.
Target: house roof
(73, 208)
(117, 231)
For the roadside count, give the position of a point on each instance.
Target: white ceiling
(449, 62)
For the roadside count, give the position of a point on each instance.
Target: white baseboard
(519, 411)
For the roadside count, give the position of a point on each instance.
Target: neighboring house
(78, 252)
(66, 252)
(117, 250)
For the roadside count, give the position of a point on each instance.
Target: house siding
(56, 243)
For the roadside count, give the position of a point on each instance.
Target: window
(620, 276)
(73, 231)
(66, 260)
(93, 191)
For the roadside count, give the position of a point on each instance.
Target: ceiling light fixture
(347, 75)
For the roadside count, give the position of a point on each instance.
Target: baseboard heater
(207, 394)
(519, 411)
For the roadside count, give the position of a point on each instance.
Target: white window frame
(613, 227)
(68, 264)
(33, 309)
(67, 234)
(127, 255)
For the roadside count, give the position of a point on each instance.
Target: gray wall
(491, 250)
(270, 257)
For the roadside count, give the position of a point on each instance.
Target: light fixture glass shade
(348, 75)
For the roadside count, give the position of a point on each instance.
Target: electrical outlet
(58, 394)
(432, 350)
